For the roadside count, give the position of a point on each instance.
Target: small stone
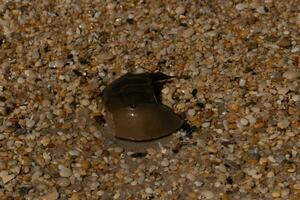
(2, 136)
(276, 194)
(284, 42)
(148, 190)
(205, 124)
(85, 164)
(241, 6)
(63, 182)
(285, 192)
(166, 90)
(291, 74)
(212, 149)
(270, 174)
(191, 177)
(295, 49)
(85, 102)
(242, 82)
(45, 141)
(6, 177)
(118, 150)
(30, 123)
(188, 32)
(191, 112)
(297, 186)
(117, 195)
(64, 171)
(165, 163)
(207, 194)
(282, 90)
(283, 124)
(180, 10)
(296, 97)
(231, 117)
(56, 64)
(261, 9)
(74, 153)
(234, 107)
(51, 195)
(244, 121)
(20, 80)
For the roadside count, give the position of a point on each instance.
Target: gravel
(236, 82)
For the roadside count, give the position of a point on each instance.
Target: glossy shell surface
(133, 109)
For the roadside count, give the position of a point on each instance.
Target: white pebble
(74, 153)
(294, 50)
(166, 90)
(207, 194)
(242, 82)
(30, 123)
(148, 190)
(20, 80)
(241, 6)
(296, 97)
(191, 112)
(165, 163)
(85, 102)
(244, 121)
(206, 124)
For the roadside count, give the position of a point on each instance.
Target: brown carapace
(133, 108)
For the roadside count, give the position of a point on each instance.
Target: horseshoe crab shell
(133, 110)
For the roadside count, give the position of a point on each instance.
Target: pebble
(63, 182)
(51, 195)
(283, 124)
(85, 102)
(64, 171)
(205, 124)
(148, 190)
(191, 177)
(6, 177)
(180, 10)
(191, 112)
(30, 123)
(74, 153)
(283, 90)
(296, 97)
(276, 193)
(165, 163)
(244, 122)
(297, 186)
(188, 32)
(45, 141)
(2, 136)
(285, 192)
(284, 42)
(242, 82)
(241, 6)
(291, 74)
(207, 194)
(165, 90)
